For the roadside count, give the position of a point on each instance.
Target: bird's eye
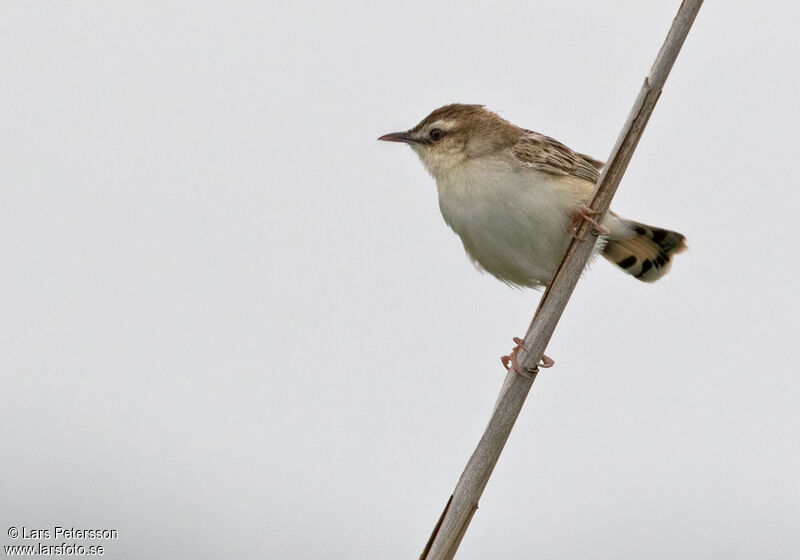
(436, 134)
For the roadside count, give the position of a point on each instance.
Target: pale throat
(440, 163)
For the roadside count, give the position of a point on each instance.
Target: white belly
(514, 224)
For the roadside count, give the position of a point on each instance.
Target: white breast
(513, 221)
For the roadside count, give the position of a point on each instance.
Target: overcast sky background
(233, 325)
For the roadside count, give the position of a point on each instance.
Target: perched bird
(515, 196)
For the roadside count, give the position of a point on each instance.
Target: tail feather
(643, 251)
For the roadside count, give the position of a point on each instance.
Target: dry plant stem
(455, 519)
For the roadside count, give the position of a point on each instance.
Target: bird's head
(453, 134)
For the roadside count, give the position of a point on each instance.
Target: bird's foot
(510, 361)
(586, 213)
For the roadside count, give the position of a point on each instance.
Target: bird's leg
(586, 213)
(510, 361)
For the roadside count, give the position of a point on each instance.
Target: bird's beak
(398, 137)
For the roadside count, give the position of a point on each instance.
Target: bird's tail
(645, 252)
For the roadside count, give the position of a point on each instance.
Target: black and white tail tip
(646, 253)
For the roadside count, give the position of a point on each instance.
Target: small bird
(515, 197)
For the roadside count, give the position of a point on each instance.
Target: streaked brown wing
(551, 156)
